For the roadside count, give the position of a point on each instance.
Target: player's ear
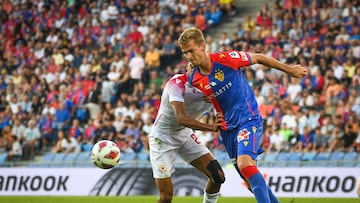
(202, 46)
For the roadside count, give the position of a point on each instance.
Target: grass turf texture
(153, 199)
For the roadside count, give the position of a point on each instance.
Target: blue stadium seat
(35, 165)
(322, 159)
(3, 157)
(261, 160)
(48, 157)
(83, 160)
(57, 160)
(46, 161)
(270, 159)
(281, 159)
(348, 159)
(143, 160)
(295, 159)
(69, 160)
(127, 160)
(335, 157)
(309, 159)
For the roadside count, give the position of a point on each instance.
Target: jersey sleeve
(176, 89)
(234, 59)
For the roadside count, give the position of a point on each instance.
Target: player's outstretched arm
(294, 70)
(183, 119)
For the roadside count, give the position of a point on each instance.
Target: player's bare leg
(255, 180)
(166, 190)
(211, 168)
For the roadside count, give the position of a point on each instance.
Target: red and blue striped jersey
(227, 87)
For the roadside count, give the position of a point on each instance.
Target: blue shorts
(244, 140)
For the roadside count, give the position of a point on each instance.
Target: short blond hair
(191, 33)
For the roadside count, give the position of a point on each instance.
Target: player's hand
(298, 71)
(219, 121)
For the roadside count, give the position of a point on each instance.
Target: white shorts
(164, 149)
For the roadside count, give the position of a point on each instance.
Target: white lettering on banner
(300, 182)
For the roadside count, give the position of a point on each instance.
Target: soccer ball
(105, 154)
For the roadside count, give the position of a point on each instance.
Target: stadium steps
(243, 8)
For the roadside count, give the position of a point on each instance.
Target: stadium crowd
(75, 72)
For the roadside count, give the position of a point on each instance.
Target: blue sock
(273, 199)
(257, 183)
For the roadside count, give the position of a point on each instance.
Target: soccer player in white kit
(172, 134)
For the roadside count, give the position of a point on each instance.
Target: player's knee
(216, 171)
(241, 166)
(244, 161)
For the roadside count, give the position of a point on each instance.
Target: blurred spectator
(307, 139)
(348, 139)
(48, 130)
(31, 137)
(266, 142)
(168, 53)
(57, 147)
(152, 58)
(15, 152)
(76, 131)
(294, 142)
(320, 141)
(70, 145)
(18, 129)
(289, 119)
(63, 116)
(277, 141)
(136, 65)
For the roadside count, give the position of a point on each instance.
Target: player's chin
(193, 63)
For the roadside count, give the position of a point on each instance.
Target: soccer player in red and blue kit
(219, 77)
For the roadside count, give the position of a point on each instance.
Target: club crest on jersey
(221, 55)
(243, 136)
(162, 168)
(219, 75)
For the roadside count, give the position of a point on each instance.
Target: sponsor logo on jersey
(221, 55)
(244, 57)
(219, 75)
(243, 136)
(211, 84)
(234, 54)
(220, 91)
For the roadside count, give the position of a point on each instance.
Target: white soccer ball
(105, 154)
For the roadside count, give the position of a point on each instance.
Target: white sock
(210, 198)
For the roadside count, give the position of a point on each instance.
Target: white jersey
(179, 89)
(168, 139)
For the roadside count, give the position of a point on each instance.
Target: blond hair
(191, 33)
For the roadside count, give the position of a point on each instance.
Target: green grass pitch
(152, 199)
